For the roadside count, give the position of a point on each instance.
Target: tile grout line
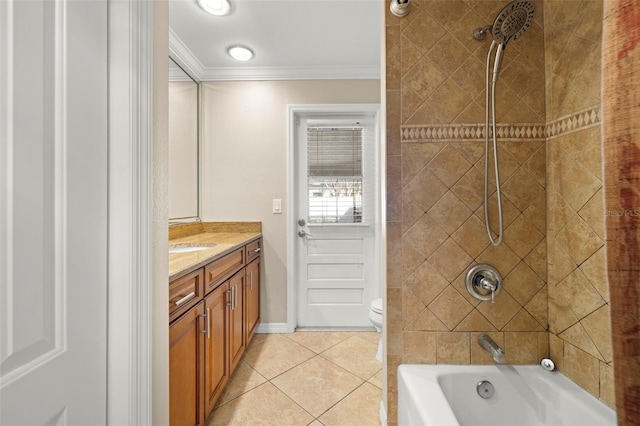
(315, 354)
(319, 354)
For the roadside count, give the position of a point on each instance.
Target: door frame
(294, 113)
(137, 338)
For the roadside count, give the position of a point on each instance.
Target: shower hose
(495, 241)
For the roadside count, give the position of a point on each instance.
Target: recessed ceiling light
(215, 7)
(240, 53)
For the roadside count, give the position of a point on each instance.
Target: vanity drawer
(185, 292)
(221, 269)
(254, 248)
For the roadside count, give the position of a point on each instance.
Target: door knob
(302, 233)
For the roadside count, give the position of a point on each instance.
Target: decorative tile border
(574, 122)
(469, 132)
(517, 132)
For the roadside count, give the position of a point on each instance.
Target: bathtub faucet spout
(489, 345)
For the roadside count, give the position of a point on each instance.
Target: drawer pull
(207, 324)
(184, 299)
(257, 250)
(235, 297)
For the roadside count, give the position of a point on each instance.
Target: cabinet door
(186, 355)
(236, 319)
(216, 353)
(252, 302)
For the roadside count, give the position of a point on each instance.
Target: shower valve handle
(483, 282)
(488, 284)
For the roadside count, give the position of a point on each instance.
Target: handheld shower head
(512, 21)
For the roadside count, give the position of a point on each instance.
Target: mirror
(184, 146)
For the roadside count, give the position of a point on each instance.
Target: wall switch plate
(277, 206)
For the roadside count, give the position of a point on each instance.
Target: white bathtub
(443, 395)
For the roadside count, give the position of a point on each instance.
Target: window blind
(334, 171)
(334, 152)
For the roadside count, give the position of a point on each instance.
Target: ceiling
(292, 39)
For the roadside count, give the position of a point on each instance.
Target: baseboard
(272, 327)
(283, 327)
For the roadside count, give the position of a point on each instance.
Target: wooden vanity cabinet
(186, 359)
(225, 343)
(214, 312)
(216, 364)
(254, 248)
(252, 298)
(236, 319)
(222, 269)
(185, 292)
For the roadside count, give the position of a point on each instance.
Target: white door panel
(330, 297)
(334, 252)
(334, 271)
(53, 206)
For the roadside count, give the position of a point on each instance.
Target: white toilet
(375, 316)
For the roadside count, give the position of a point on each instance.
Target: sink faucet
(489, 345)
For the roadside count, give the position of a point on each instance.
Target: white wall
(244, 144)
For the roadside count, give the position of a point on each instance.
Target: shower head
(512, 21)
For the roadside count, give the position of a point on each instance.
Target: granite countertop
(224, 237)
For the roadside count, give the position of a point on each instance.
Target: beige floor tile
(356, 355)
(376, 379)
(261, 338)
(264, 405)
(317, 384)
(319, 341)
(243, 379)
(372, 336)
(361, 408)
(275, 354)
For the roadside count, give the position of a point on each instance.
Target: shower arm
(399, 8)
(480, 34)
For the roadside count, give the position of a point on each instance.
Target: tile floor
(304, 378)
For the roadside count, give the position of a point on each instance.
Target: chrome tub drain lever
(485, 389)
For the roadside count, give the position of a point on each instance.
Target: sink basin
(189, 247)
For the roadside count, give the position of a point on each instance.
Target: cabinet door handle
(184, 299)
(235, 297)
(207, 323)
(230, 301)
(250, 280)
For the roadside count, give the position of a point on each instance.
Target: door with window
(335, 220)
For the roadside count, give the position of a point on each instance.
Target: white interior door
(335, 220)
(53, 212)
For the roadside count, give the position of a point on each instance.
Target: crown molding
(189, 62)
(183, 56)
(290, 73)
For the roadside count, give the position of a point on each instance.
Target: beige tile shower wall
(435, 110)
(579, 322)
